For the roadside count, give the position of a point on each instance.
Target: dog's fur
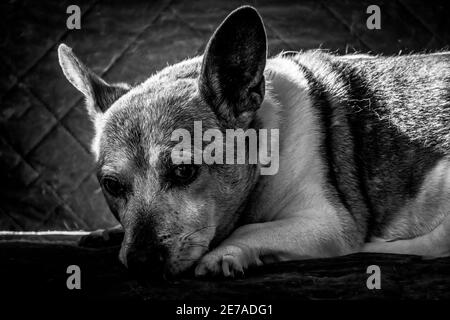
(364, 154)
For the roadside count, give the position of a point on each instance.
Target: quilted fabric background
(47, 178)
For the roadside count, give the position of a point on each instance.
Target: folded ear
(232, 75)
(99, 94)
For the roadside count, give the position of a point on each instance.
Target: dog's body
(364, 160)
(377, 134)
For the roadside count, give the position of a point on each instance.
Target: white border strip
(44, 233)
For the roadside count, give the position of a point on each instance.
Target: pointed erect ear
(99, 94)
(232, 75)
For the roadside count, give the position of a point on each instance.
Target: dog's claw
(225, 262)
(231, 267)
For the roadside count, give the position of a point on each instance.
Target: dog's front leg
(308, 236)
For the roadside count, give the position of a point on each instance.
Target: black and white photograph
(214, 159)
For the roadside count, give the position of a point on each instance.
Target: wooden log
(30, 269)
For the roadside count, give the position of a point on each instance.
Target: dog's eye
(113, 186)
(184, 173)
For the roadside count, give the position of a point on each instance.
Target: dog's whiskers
(195, 245)
(190, 234)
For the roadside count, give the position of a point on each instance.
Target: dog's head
(172, 213)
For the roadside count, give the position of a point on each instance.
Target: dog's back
(386, 125)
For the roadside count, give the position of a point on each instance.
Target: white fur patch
(99, 124)
(298, 186)
(153, 155)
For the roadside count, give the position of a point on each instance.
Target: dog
(364, 155)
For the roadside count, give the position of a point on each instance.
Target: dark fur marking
(358, 92)
(323, 106)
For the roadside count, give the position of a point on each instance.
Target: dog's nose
(146, 262)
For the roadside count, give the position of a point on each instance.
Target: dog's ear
(232, 75)
(99, 94)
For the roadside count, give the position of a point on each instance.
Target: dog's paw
(228, 261)
(101, 238)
